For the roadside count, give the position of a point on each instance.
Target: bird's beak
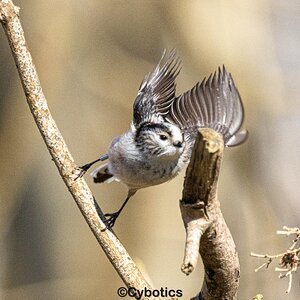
(177, 144)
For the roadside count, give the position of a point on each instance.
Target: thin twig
(290, 259)
(116, 253)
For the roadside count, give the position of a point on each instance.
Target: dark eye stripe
(154, 126)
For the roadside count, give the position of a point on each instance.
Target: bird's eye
(163, 137)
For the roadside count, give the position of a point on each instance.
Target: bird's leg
(112, 217)
(82, 170)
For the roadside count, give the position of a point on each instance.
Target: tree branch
(206, 230)
(114, 250)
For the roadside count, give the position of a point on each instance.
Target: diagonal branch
(206, 230)
(114, 250)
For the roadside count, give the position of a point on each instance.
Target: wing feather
(213, 103)
(157, 91)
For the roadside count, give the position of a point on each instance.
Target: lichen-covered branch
(207, 232)
(117, 254)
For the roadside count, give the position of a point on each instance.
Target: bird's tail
(101, 174)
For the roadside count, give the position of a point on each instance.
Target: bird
(160, 139)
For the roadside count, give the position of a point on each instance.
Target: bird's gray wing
(157, 91)
(213, 103)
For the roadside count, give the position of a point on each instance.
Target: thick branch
(120, 259)
(206, 229)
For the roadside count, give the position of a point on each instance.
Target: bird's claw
(110, 219)
(80, 171)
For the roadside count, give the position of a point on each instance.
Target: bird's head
(163, 141)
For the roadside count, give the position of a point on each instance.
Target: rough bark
(207, 232)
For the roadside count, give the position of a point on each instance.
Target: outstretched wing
(157, 91)
(213, 103)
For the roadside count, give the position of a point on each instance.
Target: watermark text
(163, 292)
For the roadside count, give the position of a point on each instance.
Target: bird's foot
(80, 171)
(110, 219)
